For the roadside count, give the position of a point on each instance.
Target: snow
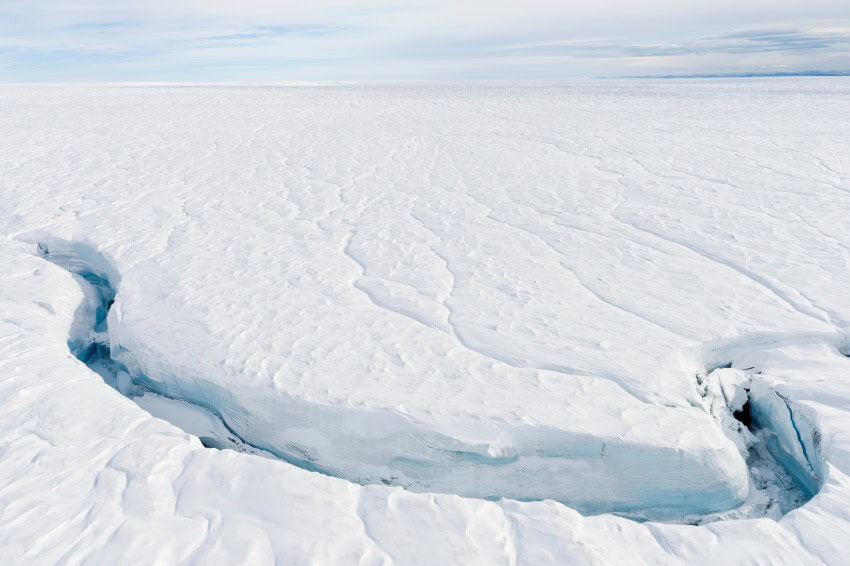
(489, 316)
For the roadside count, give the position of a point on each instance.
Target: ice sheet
(368, 275)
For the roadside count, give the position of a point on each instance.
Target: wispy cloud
(738, 42)
(95, 26)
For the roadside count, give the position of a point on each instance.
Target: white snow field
(600, 322)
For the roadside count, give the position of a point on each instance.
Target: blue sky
(264, 40)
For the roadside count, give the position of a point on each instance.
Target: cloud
(740, 42)
(54, 40)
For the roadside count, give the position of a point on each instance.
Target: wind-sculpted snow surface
(558, 293)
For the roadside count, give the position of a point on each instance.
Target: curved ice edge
(441, 463)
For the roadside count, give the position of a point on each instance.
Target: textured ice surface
(463, 290)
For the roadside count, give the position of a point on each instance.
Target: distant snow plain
(599, 322)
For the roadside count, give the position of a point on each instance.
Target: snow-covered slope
(479, 292)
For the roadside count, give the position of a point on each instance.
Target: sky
(331, 40)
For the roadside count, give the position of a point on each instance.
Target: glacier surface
(461, 324)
